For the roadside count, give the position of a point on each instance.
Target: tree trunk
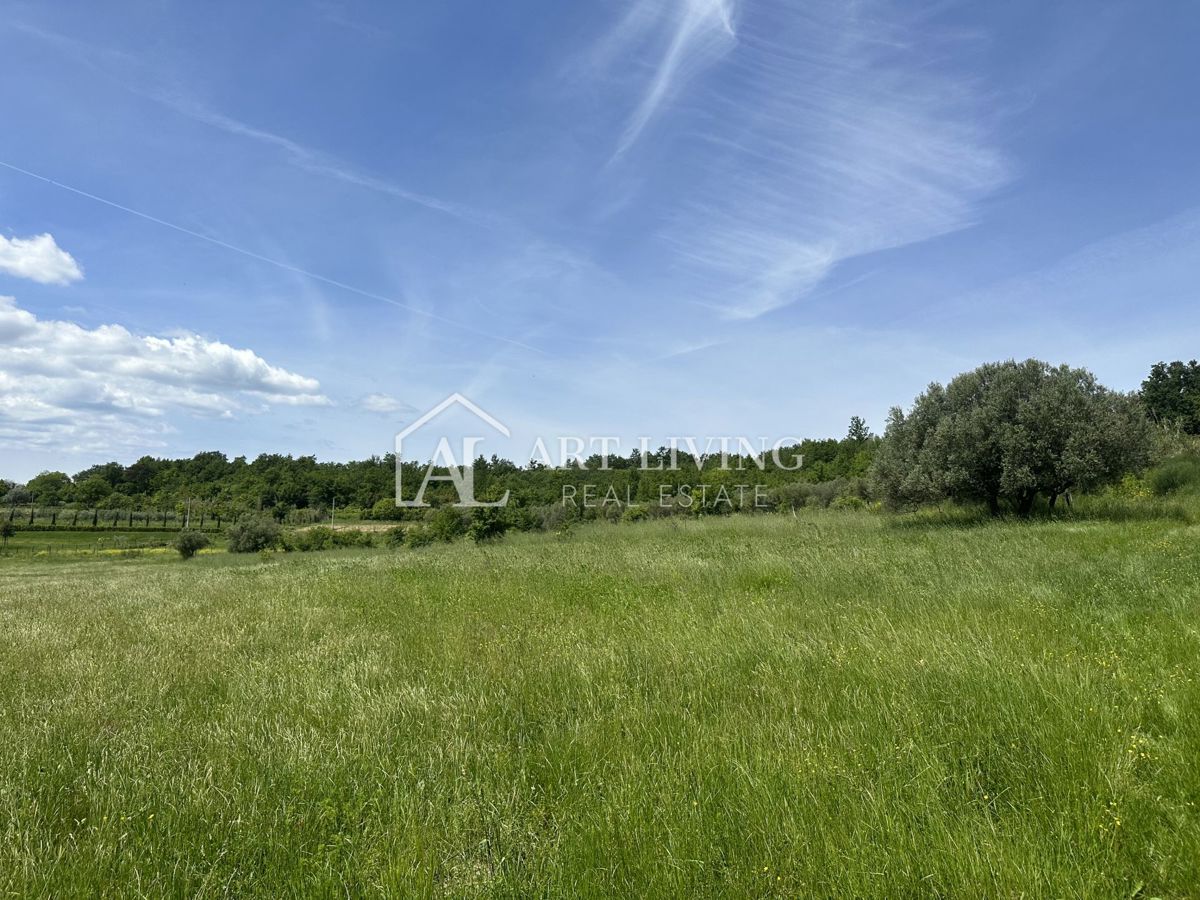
(994, 505)
(1025, 504)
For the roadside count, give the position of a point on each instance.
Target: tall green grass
(1178, 475)
(824, 705)
(65, 543)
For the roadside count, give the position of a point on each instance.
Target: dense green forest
(299, 488)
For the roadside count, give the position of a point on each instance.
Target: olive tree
(253, 535)
(189, 543)
(1008, 432)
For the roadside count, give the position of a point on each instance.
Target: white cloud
(39, 259)
(384, 403)
(61, 383)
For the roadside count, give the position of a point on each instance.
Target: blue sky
(291, 227)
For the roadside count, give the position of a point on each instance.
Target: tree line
(299, 489)
(1004, 435)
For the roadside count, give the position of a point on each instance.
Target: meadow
(68, 543)
(826, 704)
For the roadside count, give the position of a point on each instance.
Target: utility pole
(333, 511)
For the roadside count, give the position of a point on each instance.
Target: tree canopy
(281, 485)
(1008, 432)
(1171, 394)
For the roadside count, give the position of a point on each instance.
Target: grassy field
(830, 705)
(100, 542)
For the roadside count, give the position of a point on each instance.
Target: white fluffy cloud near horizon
(63, 385)
(39, 259)
(385, 404)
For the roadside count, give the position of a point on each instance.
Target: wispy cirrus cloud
(674, 39)
(312, 160)
(826, 131)
(38, 259)
(134, 75)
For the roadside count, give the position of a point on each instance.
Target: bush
(521, 518)
(446, 523)
(322, 538)
(487, 524)
(253, 535)
(352, 537)
(848, 501)
(553, 516)
(821, 494)
(1130, 487)
(418, 536)
(394, 537)
(1175, 475)
(189, 543)
(308, 540)
(388, 511)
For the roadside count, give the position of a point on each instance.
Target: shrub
(612, 512)
(189, 543)
(820, 494)
(308, 540)
(848, 501)
(322, 538)
(352, 537)
(418, 536)
(487, 524)
(446, 523)
(824, 493)
(554, 516)
(253, 535)
(1130, 487)
(394, 537)
(521, 518)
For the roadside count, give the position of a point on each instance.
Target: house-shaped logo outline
(454, 399)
